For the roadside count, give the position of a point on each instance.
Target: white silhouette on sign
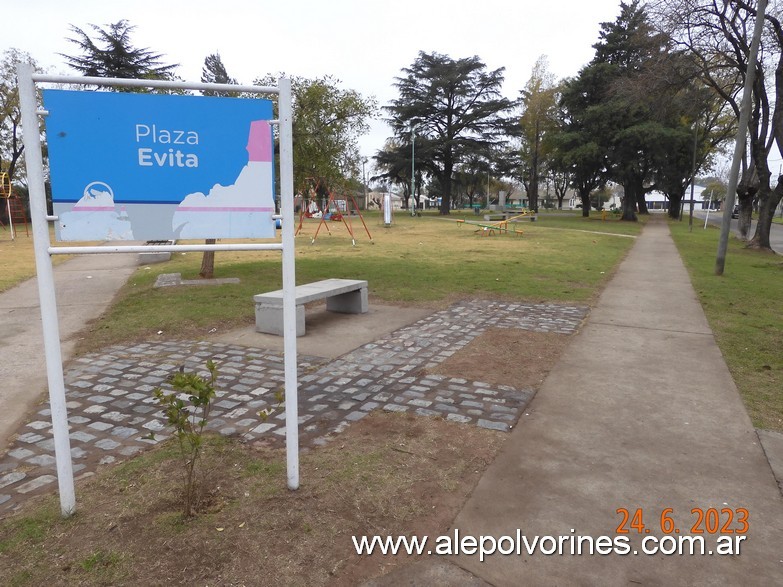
(95, 213)
(237, 209)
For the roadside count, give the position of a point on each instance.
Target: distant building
(701, 200)
(658, 201)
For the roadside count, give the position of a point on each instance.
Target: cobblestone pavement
(112, 410)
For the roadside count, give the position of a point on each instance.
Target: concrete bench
(347, 296)
(494, 217)
(507, 214)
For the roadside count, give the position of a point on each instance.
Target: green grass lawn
(572, 219)
(568, 219)
(744, 308)
(17, 256)
(426, 260)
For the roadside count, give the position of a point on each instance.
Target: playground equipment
(13, 205)
(335, 210)
(501, 226)
(308, 203)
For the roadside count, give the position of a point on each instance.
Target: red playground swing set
(335, 210)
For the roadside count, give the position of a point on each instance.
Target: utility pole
(693, 173)
(487, 190)
(739, 145)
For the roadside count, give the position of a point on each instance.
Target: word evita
(149, 157)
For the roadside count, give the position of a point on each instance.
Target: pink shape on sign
(259, 143)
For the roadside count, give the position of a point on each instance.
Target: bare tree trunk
(533, 195)
(767, 207)
(747, 189)
(629, 203)
(642, 202)
(585, 197)
(406, 198)
(208, 262)
(745, 217)
(675, 200)
(446, 183)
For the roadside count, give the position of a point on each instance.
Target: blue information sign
(128, 166)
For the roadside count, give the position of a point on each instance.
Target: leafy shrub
(189, 420)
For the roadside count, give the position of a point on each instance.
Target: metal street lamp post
(413, 170)
(364, 182)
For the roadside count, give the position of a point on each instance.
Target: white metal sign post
(44, 249)
(285, 113)
(46, 293)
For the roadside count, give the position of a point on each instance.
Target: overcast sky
(363, 43)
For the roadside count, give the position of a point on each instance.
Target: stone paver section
(113, 414)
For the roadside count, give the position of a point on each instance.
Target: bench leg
(269, 319)
(352, 302)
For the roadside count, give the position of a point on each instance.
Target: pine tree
(615, 123)
(214, 72)
(112, 54)
(456, 108)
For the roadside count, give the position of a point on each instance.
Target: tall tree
(112, 54)
(539, 100)
(626, 48)
(214, 72)
(768, 198)
(577, 151)
(716, 37)
(624, 113)
(696, 138)
(691, 121)
(455, 107)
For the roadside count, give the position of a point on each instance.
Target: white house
(701, 199)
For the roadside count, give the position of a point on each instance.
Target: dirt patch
(506, 356)
(389, 474)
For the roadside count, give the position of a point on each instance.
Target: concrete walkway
(640, 413)
(86, 285)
